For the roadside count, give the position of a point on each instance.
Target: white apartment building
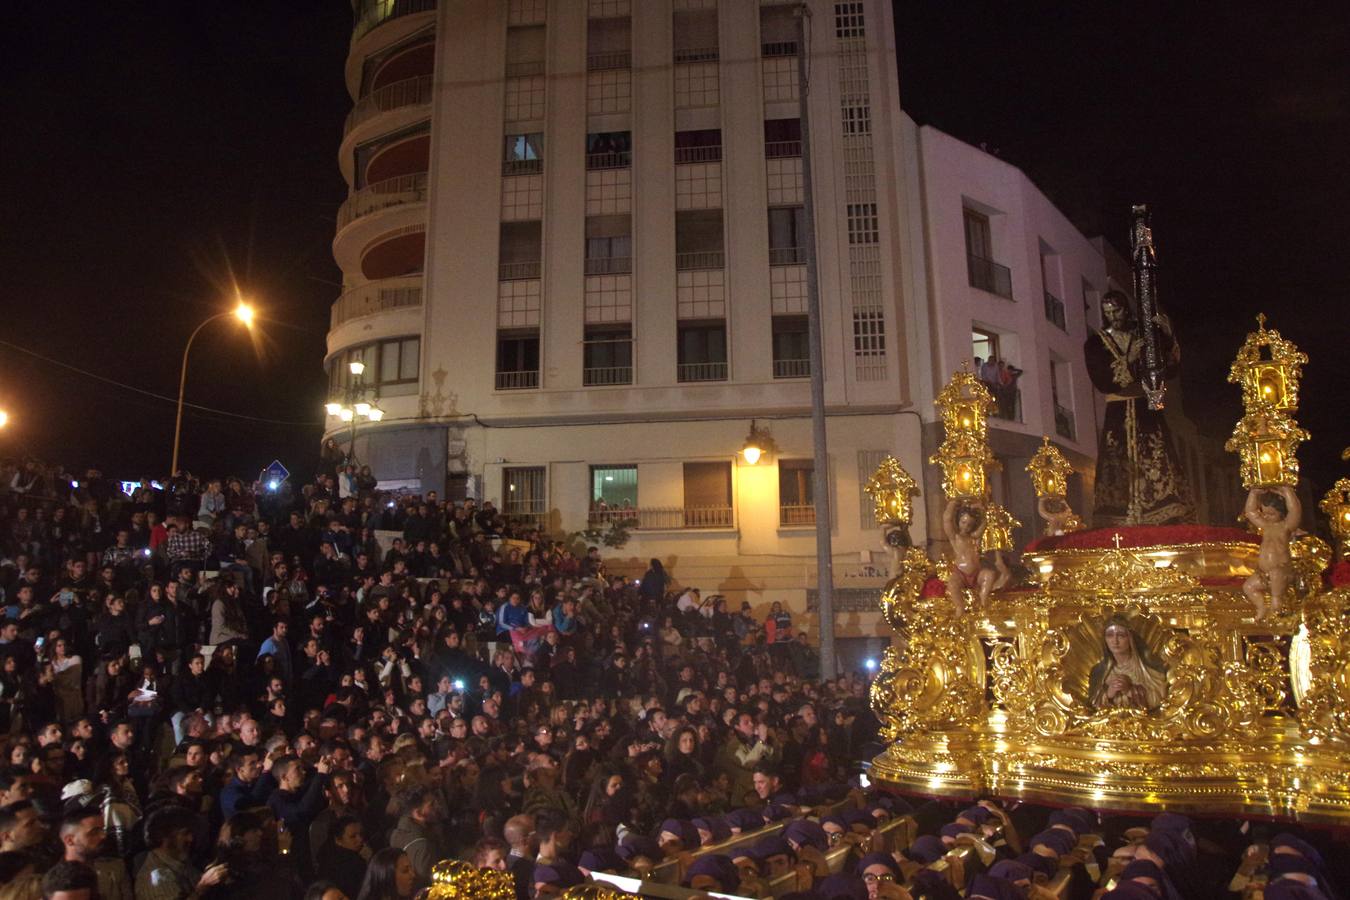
(574, 272)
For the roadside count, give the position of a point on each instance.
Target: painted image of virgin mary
(1129, 675)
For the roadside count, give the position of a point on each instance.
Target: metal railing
(782, 149)
(373, 13)
(518, 271)
(708, 371)
(1064, 423)
(518, 381)
(787, 256)
(377, 296)
(614, 59)
(628, 516)
(618, 159)
(710, 153)
(700, 259)
(1054, 311)
(778, 48)
(695, 54)
(792, 368)
(396, 191)
(988, 275)
(525, 68)
(672, 517)
(609, 265)
(598, 377)
(522, 166)
(399, 94)
(796, 514)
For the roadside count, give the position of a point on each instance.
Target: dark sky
(156, 151)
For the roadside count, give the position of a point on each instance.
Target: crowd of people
(225, 688)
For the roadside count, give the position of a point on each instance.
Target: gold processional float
(1130, 668)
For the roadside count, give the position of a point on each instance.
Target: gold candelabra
(1336, 504)
(1268, 368)
(892, 490)
(964, 455)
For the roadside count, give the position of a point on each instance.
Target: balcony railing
(605, 375)
(408, 92)
(700, 259)
(518, 271)
(1064, 423)
(779, 48)
(614, 59)
(671, 517)
(988, 275)
(618, 159)
(1007, 402)
(518, 381)
(525, 68)
(711, 153)
(522, 166)
(792, 368)
(377, 296)
(797, 514)
(531, 512)
(609, 265)
(1054, 311)
(395, 191)
(627, 516)
(695, 54)
(787, 256)
(782, 149)
(370, 14)
(708, 371)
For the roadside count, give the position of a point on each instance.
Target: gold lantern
(998, 529)
(964, 455)
(1050, 471)
(1336, 504)
(892, 490)
(1268, 368)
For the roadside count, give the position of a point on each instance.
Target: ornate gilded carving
(1269, 368)
(453, 879)
(964, 404)
(1336, 505)
(596, 892)
(892, 490)
(998, 529)
(1119, 572)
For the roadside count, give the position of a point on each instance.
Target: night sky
(160, 152)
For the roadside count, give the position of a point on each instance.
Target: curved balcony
(397, 191)
(399, 95)
(370, 14)
(377, 296)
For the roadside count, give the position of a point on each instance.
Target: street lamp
(244, 314)
(355, 404)
(4, 418)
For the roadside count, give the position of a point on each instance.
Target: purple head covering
(1171, 847)
(716, 866)
(804, 832)
(560, 873)
(1056, 839)
(634, 845)
(953, 830)
(1289, 863)
(601, 859)
(1041, 865)
(926, 849)
(1011, 870)
(991, 888)
(1299, 846)
(1130, 890)
(744, 819)
(773, 845)
(1170, 822)
(685, 831)
(1141, 868)
(878, 859)
(1288, 889)
(977, 814)
(842, 887)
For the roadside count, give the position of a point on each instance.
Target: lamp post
(355, 405)
(244, 313)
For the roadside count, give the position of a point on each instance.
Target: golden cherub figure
(1059, 517)
(1275, 513)
(964, 522)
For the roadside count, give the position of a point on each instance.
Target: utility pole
(820, 475)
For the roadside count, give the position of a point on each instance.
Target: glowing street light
(244, 314)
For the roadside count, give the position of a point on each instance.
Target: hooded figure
(716, 867)
(926, 850)
(1011, 870)
(1057, 839)
(805, 833)
(987, 887)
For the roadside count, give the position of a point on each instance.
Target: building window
(1054, 312)
(702, 351)
(695, 35)
(517, 360)
(848, 20)
(862, 223)
(524, 154)
(857, 118)
(984, 273)
(391, 367)
(704, 145)
(796, 494)
(869, 332)
(787, 241)
(609, 150)
(698, 239)
(707, 494)
(521, 250)
(525, 51)
(614, 493)
(782, 138)
(984, 347)
(609, 245)
(791, 347)
(1061, 394)
(608, 43)
(523, 494)
(778, 31)
(608, 355)
(1054, 306)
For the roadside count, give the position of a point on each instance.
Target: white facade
(572, 263)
